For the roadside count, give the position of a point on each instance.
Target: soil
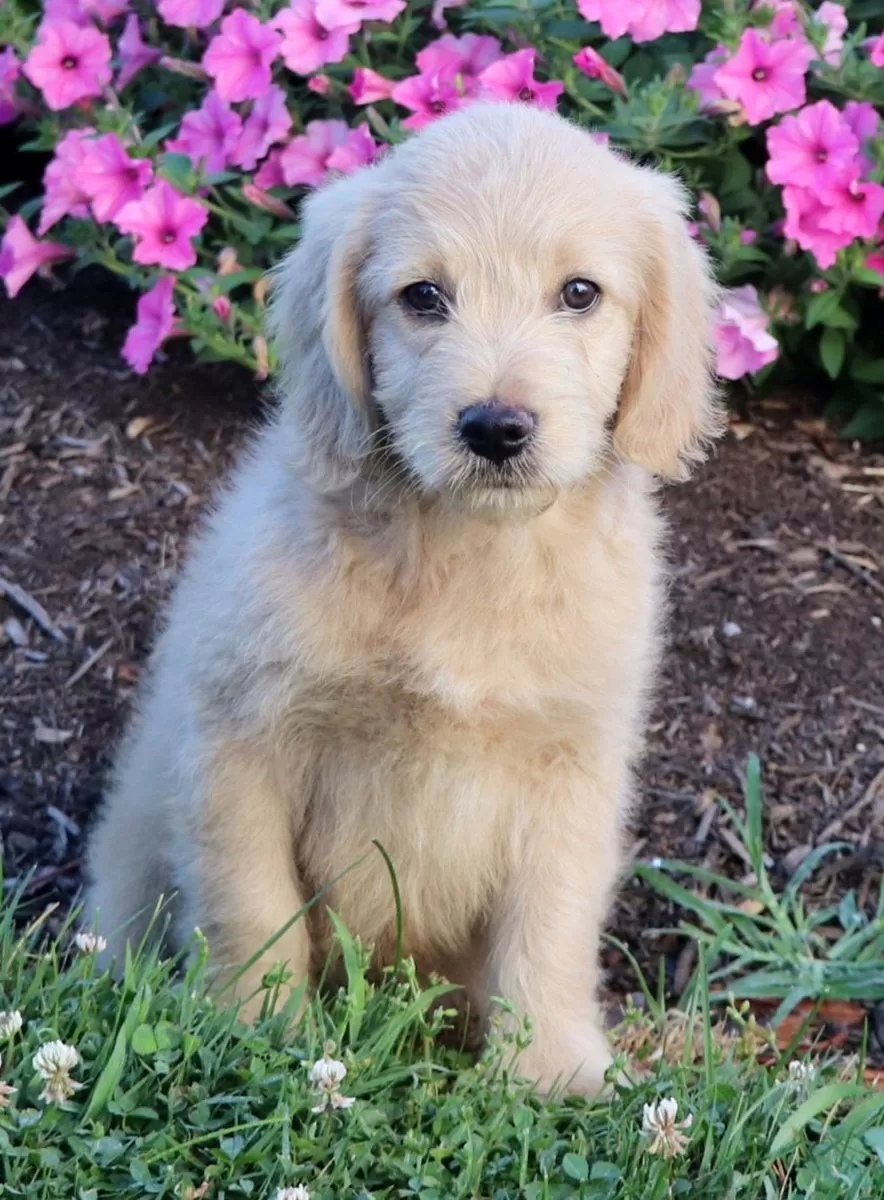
(776, 641)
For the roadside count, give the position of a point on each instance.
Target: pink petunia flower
(437, 16)
(68, 63)
(875, 261)
(643, 20)
(63, 195)
(261, 199)
(358, 150)
(155, 320)
(591, 63)
(10, 72)
(765, 77)
(163, 222)
(270, 173)
(804, 210)
(320, 85)
(334, 14)
(512, 78)
(875, 47)
(208, 134)
(307, 44)
(834, 18)
(190, 14)
(82, 12)
(304, 161)
(111, 177)
(852, 207)
(467, 56)
(814, 149)
(267, 123)
(428, 97)
(862, 118)
(240, 56)
(134, 54)
(786, 20)
(702, 77)
(21, 255)
(742, 340)
(368, 86)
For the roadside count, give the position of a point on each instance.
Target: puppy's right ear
(316, 320)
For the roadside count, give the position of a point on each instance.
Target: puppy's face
(500, 314)
(509, 303)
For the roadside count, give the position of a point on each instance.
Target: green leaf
(821, 1100)
(833, 346)
(867, 370)
(576, 1167)
(874, 1139)
(143, 1040)
(867, 423)
(825, 309)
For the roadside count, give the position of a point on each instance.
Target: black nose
(496, 431)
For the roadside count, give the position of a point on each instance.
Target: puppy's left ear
(669, 408)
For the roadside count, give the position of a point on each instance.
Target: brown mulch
(776, 642)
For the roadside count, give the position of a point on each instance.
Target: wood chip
(18, 596)
(869, 795)
(51, 737)
(89, 663)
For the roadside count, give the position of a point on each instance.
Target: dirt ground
(776, 642)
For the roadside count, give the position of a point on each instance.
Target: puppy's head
(502, 304)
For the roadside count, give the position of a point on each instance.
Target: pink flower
(10, 71)
(81, 12)
(267, 123)
(591, 63)
(190, 14)
(368, 86)
(261, 199)
(814, 149)
(155, 320)
(358, 150)
(643, 20)
(208, 134)
(875, 47)
(467, 56)
(512, 78)
(437, 16)
(803, 224)
(852, 207)
(786, 18)
(427, 97)
(743, 343)
(270, 174)
(133, 53)
(875, 261)
(68, 63)
(110, 177)
(304, 161)
(747, 237)
(702, 77)
(834, 18)
(21, 255)
(63, 195)
(765, 77)
(320, 84)
(239, 58)
(163, 223)
(862, 118)
(336, 13)
(307, 44)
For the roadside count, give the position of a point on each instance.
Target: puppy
(428, 609)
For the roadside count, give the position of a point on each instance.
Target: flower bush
(183, 133)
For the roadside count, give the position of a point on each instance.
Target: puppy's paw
(576, 1068)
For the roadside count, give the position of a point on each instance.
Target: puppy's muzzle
(496, 431)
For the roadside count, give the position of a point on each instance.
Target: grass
(180, 1099)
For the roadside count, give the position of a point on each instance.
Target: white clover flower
(10, 1023)
(54, 1061)
(800, 1074)
(293, 1193)
(665, 1135)
(327, 1074)
(90, 943)
(5, 1090)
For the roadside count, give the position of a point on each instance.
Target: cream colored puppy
(428, 609)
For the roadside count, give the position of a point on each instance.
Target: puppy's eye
(580, 295)
(425, 298)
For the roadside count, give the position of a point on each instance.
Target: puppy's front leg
(240, 883)
(545, 941)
